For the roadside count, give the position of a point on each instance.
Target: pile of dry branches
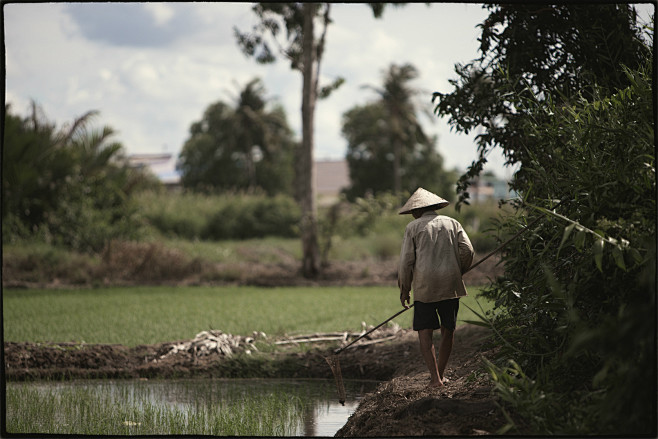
(382, 334)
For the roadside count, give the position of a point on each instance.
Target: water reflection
(321, 413)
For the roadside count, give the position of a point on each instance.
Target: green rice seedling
(104, 410)
(148, 315)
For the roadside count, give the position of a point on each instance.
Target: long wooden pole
(500, 247)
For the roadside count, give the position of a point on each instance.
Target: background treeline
(73, 186)
(75, 211)
(234, 216)
(248, 145)
(575, 312)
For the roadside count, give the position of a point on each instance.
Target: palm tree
(258, 132)
(399, 100)
(239, 145)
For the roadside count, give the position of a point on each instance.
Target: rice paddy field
(149, 315)
(179, 407)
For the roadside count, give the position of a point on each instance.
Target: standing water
(233, 407)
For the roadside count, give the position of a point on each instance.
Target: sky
(151, 69)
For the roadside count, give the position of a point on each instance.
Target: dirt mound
(405, 406)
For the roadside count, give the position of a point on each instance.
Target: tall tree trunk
(397, 181)
(397, 151)
(310, 248)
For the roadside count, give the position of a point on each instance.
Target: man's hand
(404, 297)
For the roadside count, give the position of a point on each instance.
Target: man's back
(435, 252)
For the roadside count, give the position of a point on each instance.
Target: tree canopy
(70, 186)
(388, 149)
(571, 51)
(243, 146)
(575, 310)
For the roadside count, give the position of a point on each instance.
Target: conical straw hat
(423, 198)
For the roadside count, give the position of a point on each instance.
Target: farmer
(435, 253)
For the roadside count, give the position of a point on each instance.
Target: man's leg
(445, 348)
(429, 355)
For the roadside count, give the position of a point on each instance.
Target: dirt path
(404, 406)
(400, 406)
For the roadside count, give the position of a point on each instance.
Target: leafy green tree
(575, 310)
(34, 169)
(244, 146)
(403, 129)
(304, 51)
(577, 301)
(71, 186)
(371, 155)
(569, 50)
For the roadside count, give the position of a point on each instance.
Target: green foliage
(579, 291)
(253, 217)
(388, 149)
(229, 216)
(245, 146)
(71, 187)
(149, 315)
(575, 50)
(574, 109)
(521, 394)
(179, 214)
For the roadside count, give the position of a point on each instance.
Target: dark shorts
(427, 315)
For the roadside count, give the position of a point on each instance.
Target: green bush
(243, 217)
(578, 297)
(178, 214)
(81, 226)
(228, 216)
(70, 186)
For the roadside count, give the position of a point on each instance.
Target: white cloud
(162, 12)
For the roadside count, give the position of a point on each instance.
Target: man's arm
(466, 251)
(405, 269)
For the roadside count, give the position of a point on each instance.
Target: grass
(268, 250)
(149, 315)
(136, 410)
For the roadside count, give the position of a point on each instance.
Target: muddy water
(322, 414)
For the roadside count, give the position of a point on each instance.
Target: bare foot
(434, 384)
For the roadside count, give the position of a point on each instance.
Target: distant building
(162, 166)
(331, 177)
(488, 187)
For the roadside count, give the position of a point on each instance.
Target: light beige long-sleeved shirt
(435, 252)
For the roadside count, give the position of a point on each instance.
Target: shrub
(190, 215)
(243, 217)
(577, 302)
(178, 214)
